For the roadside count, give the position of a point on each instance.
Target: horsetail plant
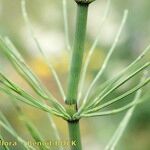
(77, 105)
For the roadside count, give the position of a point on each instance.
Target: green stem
(74, 74)
(77, 56)
(74, 134)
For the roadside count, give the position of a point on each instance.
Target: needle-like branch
(50, 66)
(66, 28)
(106, 59)
(91, 51)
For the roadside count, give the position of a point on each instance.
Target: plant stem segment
(74, 133)
(77, 56)
(74, 75)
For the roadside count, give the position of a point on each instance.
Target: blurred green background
(47, 19)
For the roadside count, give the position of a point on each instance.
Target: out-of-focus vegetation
(47, 19)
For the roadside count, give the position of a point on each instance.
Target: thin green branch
(111, 112)
(120, 97)
(36, 135)
(20, 98)
(19, 64)
(4, 146)
(109, 84)
(52, 124)
(27, 74)
(50, 66)
(55, 131)
(91, 51)
(3, 119)
(9, 128)
(29, 102)
(100, 97)
(66, 28)
(17, 97)
(106, 59)
(123, 124)
(13, 88)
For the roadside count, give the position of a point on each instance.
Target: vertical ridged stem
(74, 74)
